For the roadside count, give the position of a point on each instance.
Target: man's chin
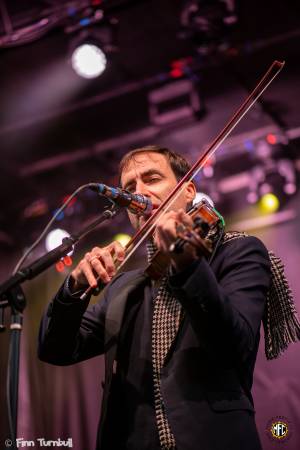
(141, 220)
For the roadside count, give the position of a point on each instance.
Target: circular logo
(279, 429)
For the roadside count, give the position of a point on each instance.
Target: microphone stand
(11, 294)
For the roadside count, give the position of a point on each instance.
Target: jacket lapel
(114, 318)
(116, 308)
(113, 321)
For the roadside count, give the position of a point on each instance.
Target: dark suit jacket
(207, 376)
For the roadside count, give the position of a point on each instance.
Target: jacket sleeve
(70, 331)
(225, 308)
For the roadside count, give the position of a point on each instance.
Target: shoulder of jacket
(240, 239)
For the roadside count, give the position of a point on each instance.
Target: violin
(208, 227)
(207, 216)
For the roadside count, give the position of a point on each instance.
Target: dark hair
(178, 164)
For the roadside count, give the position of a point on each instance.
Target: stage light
(201, 196)
(208, 24)
(249, 145)
(60, 267)
(290, 188)
(287, 170)
(122, 238)
(54, 239)
(271, 139)
(252, 197)
(36, 209)
(208, 171)
(88, 60)
(271, 184)
(174, 102)
(94, 40)
(66, 261)
(263, 150)
(208, 168)
(269, 203)
(60, 216)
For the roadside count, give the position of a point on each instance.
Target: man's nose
(141, 188)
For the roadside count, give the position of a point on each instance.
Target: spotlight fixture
(88, 60)
(208, 24)
(91, 44)
(269, 203)
(271, 184)
(174, 102)
(54, 239)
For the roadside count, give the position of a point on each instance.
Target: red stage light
(271, 138)
(178, 64)
(72, 202)
(210, 161)
(176, 73)
(67, 260)
(60, 266)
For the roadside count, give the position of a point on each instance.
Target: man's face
(150, 174)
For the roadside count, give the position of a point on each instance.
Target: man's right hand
(97, 263)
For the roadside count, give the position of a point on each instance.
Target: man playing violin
(179, 352)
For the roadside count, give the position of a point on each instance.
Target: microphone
(136, 203)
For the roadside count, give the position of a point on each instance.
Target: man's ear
(190, 192)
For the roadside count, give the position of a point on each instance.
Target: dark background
(58, 131)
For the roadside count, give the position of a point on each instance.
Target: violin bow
(151, 223)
